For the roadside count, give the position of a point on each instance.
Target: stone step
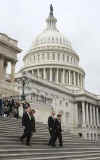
(75, 148)
(47, 156)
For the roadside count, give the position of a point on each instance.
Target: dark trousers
(27, 134)
(55, 136)
(51, 138)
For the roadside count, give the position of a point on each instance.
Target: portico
(8, 53)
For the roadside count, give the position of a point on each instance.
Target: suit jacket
(27, 122)
(51, 122)
(57, 126)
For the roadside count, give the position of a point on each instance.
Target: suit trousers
(27, 134)
(55, 136)
(50, 139)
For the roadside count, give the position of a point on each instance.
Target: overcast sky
(79, 20)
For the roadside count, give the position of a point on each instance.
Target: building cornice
(9, 45)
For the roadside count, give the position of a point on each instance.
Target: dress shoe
(53, 145)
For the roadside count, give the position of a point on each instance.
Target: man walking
(51, 121)
(27, 123)
(57, 131)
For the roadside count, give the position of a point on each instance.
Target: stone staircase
(75, 148)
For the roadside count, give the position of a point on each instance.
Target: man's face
(59, 117)
(53, 113)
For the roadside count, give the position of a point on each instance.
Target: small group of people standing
(54, 126)
(55, 130)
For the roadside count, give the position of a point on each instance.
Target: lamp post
(23, 80)
(23, 89)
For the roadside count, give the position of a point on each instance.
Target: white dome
(51, 35)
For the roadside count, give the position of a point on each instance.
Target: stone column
(78, 80)
(76, 114)
(1, 67)
(57, 73)
(38, 73)
(63, 78)
(44, 73)
(87, 114)
(94, 118)
(51, 74)
(81, 81)
(74, 78)
(83, 114)
(69, 77)
(91, 117)
(33, 73)
(97, 115)
(66, 77)
(12, 71)
(5, 66)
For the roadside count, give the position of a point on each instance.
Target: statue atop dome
(51, 10)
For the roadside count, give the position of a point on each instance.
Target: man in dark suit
(27, 123)
(51, 121)
(57, 131)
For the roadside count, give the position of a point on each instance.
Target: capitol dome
(52, 58)
(51, 34)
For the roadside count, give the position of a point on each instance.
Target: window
(66, 104)
(53, 56)
(43, 56)
(58, 57)
(63, 57)
(52, 38)
(38, 57)
(56, 39)
(67, 58)
(72, 59)
(48, 56)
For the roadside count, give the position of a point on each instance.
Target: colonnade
(3, 68)
(89, 115)
(59, 75)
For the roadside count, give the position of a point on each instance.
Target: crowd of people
(54, 127)
(9, 107)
